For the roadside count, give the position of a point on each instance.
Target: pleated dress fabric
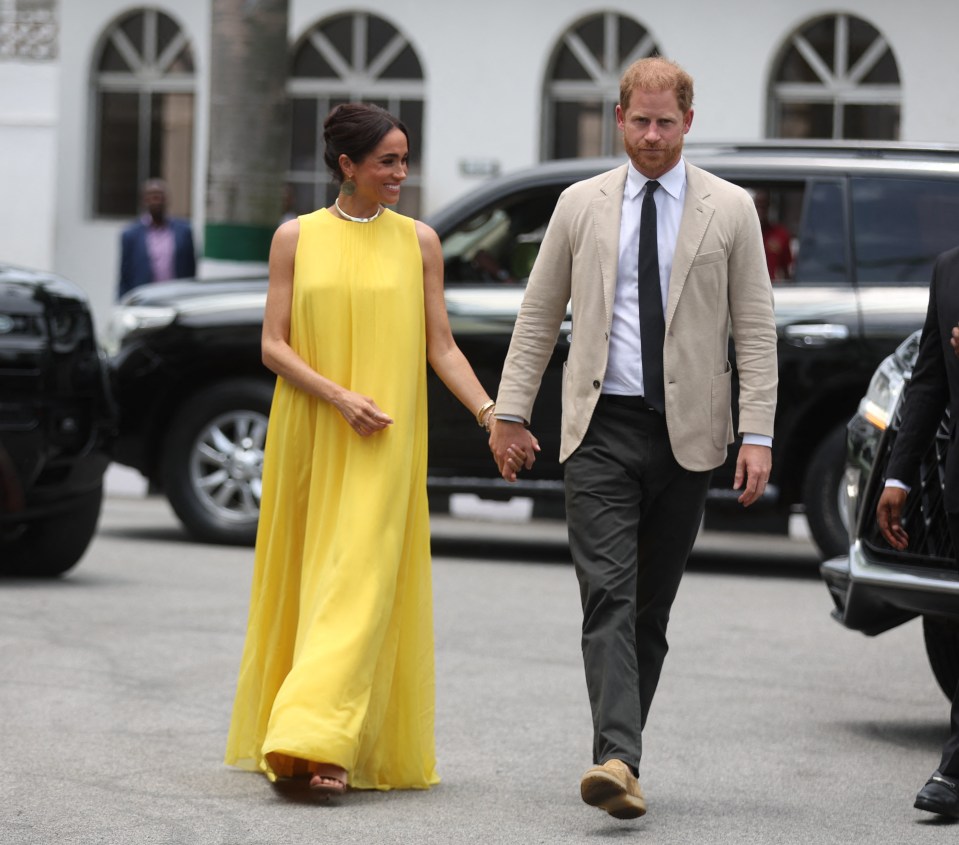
(338, 661)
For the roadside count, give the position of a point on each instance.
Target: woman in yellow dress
(336, 681)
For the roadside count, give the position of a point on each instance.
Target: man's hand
(954, 340)
(889, 514)
(513, 447)
(752, 466)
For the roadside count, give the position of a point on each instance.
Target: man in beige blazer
(660, 261)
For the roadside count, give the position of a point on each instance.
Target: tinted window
(499, 244)
(821, 257)
(779, 206)
(901, 225)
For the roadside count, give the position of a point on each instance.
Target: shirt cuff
(758, 440)
(510, 418)
(895, 482)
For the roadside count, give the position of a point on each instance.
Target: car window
(822, 254)
(499, 244)
(779, 206)
(901, 225)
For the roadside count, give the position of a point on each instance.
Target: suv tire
(821, 494)
(212, 460)
(49, 546)
(942, 647)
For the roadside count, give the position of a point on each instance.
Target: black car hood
(25, 291)
(174, 293)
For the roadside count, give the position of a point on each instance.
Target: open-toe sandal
(328, 784)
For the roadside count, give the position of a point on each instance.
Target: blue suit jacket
(135, 267)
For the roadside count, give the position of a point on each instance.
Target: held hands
(513, 447)
(362, 413)
(889, 515)
(752, 466)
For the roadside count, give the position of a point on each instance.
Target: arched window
(582, 84)
(836, 78)
(354, 57)
(144, 91)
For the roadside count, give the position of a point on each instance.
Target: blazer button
(596, 384)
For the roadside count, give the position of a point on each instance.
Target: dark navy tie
(652, 326)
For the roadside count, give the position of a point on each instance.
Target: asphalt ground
(772, 724)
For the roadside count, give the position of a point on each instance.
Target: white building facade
(97, 94)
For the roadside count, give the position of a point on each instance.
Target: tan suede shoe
(614, 788)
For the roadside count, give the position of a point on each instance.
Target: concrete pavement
(772, 724)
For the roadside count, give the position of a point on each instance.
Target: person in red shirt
(776, 240)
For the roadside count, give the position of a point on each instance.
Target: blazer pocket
(720, 401)
(709, 257)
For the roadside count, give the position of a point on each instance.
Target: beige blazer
(719, 284)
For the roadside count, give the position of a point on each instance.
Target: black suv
(57, 423)
(861, 226)
(875, 587)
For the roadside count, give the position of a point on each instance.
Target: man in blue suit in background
(156, 248)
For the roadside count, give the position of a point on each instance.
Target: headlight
(849, 496)
(880, 401)
(132, 319)
(63, 326)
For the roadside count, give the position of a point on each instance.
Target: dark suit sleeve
(185, 258)
(927, 393)
(126, 262)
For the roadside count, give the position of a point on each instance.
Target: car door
(488, 254)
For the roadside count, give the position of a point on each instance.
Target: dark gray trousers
(633, 514)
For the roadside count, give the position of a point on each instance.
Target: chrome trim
(222, 302)
(862, 571)
(816, 334)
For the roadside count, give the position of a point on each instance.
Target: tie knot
(651, 187)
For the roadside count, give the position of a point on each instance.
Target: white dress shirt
(624, 371)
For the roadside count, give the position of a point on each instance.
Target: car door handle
(816, 334)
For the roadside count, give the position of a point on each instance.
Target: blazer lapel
(697, 212)
(607, 211)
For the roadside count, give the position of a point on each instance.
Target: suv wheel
(822, 494)
(942, 647)
(48, 547)
(212, 461)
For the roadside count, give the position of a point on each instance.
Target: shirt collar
(672, 181)
(147, 221)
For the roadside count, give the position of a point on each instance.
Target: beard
(653, 162)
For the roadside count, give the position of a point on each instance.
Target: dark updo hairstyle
(354, 130)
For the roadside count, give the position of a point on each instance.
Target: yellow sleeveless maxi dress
(338, 661)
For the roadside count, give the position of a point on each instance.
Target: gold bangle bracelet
(487, 418)
(489, 403)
